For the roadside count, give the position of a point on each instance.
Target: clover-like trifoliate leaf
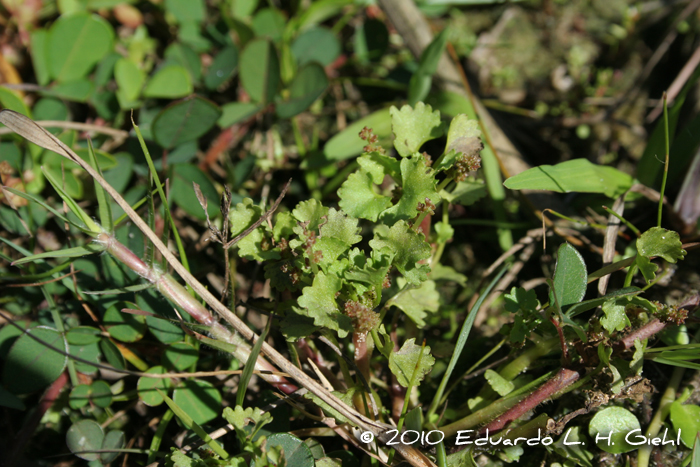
(411, 360)
(418, 184)
(358, 198)
(660, 242)
(413, 127)
(520, 299)
(250, 246)
(615, 318)
(407, 248)
(417, 302)
(337, 235)
(318, 302)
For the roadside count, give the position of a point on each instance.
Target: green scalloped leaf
(417, 185)
(413, 127)
(318, 302)
(405, 247)
(408, 362)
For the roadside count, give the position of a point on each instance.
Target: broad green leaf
(114, 441)
(347, 143)
(660, 242)
(199, 399)
(371, 40)
(416, 303)
(321, 10)
(574, 176)
(182, 191)
(686, 420)
(76, 43)
(412, 127)
(40, 58)
(130, 79)
(184, 121)
(83, 335)
(406, 248)
(78, 90)
(260, 70)
(422, 78)
(85, 435)
(346, 397)
(498, 383)
(170, 82)
(404, 363)
(89, 352)
(8, 335)
(646, 267)
(615, 318)
(296, 452)
(37, 364)
(610, 426)
(100, 393)
(49, 108)
(11, 100)
(125, 327)
(307, 86)
(269, 23)
(318, 302)
(310, 212)
(235, 112)
(569, 276)
(359, 198)
(318, 45)
(417, 185)
(186, 10)
(180, 356)
(146, 387)
(112, 354)
(222, 68)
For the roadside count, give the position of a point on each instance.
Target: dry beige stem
(27, 128)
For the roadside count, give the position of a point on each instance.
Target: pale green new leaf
(444, 232)
(418, 184)
(615, 318)
(240, 418)
(416, 303)
(660, 242)
(499, 384)
(413, 127)
(404, 363)
(318, 302)
(463, 137)
(379, 164)
(570, 276)
(406, 247)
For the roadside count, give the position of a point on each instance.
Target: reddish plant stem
(176, 293)
(560, 381)
(30, 425)
(645, 332)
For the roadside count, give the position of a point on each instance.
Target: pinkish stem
(176, 293)
(560, 381)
